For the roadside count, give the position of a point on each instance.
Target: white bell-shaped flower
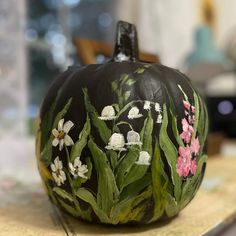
(116, 142)
(144, 158)
(134, 113)
(159, 119)
(157, 107)
(133, 138)
(147, 105)
(108, 113)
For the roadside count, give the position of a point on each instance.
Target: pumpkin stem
(126, 48)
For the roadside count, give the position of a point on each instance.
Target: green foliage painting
(105, 175)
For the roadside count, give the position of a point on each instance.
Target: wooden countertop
(25, 210)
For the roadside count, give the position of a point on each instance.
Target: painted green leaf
(191, 185)
(171, 206)
(50, 192)
(130, 82)
(62, 193)
(130, 209)
(202, 125)
(107, 190)
(81, 143)
(146, 134)
(113, 157)
(46, 125)
(125, 165)
(170, 152)
(88, 197)
(118, 91)
(123, 79)
(206, 124)
(196, 104)
(46, 154)
(139, 70)
(101, 126)
(127, 106)
(136, 172)
(127, 95)
(114, 86)
(68, 208)
(136, 187)
(158, 175)
(185, 95)
(116, 106)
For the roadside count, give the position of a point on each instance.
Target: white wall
(166, 26)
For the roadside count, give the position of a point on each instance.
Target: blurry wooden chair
(88, 49)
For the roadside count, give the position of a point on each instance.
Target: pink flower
(183, 166)
(193, 109)
(195, 146)
(185, 152)
(187, 131)
(193, 167)
(186, 166)
(186, 105)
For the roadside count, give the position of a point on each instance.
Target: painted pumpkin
(122, 142)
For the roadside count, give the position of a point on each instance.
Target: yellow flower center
(61, 134)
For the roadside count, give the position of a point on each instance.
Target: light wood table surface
(26, 211)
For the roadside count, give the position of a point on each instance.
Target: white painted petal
(83, 169)
(55, 133)
(63, 176)
(157, 107)
(134, 116)
(144, 158)
(67, 126)
(61, 144)
(108, 111)
(53, 167)
(60, 165)
(134, 111)
(77, 162)
(55, 142)
(133, 136)
(82, 175)
(159, 119)
(57, 180)
(68, 140)
(60, 125)
(57, 163)
(71, 167)
(107, 118)
(117, 140)
(147, 105)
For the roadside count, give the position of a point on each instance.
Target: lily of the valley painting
(124, 177)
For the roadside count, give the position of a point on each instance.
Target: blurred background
(39, 39)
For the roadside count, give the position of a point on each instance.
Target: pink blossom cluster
(186, 162)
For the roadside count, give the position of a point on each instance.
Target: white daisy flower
(134, 113)
(78, 169)
(159, 119)
(147, 105)
(116, 142)
(157, 107)
(61, 134)
(108, 113)
(57, 173)
(133, 138)
(144, 158)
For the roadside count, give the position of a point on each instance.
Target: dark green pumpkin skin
(153, 191)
